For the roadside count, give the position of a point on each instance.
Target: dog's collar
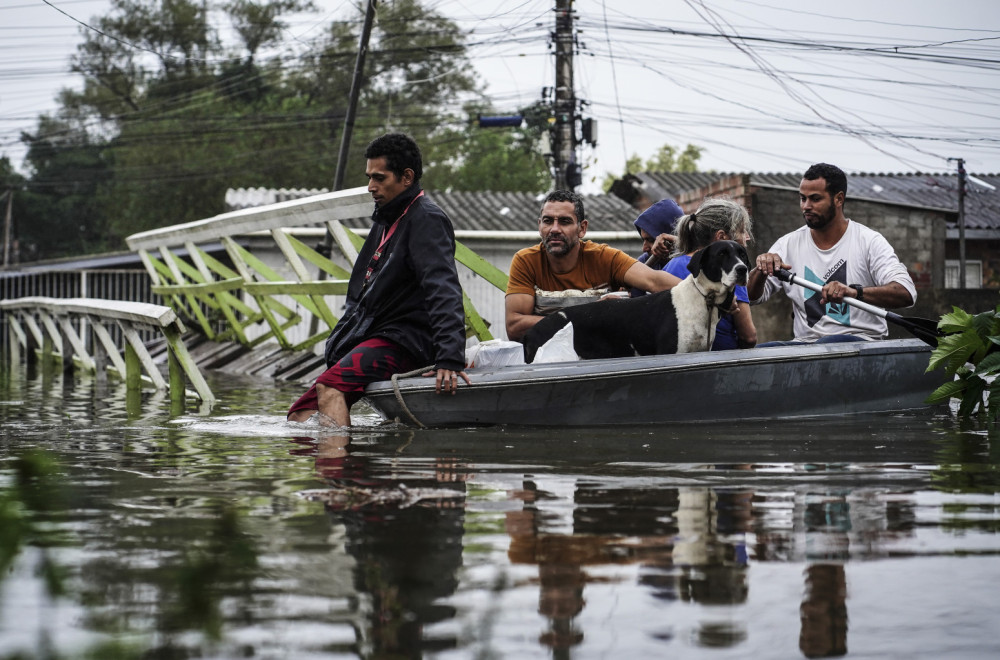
(709, 296)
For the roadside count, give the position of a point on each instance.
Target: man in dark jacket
(404, 302)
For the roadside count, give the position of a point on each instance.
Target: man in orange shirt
(564, 261)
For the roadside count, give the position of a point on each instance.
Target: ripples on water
(231, 533)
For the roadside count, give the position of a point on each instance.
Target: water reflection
(674, 535)
(824, 612)
(689, 544)
(220, 534)
(405, 533)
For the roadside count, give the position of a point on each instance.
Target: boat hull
(761, 383)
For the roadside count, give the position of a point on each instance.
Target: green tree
(11, 184)
(174, 117)
(666, 159)
(470, 158)
(184, 130)
(417, 66)
(180, 108)
(57, 213)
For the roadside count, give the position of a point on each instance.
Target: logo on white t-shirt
(839, 312)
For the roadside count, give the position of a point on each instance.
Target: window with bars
(973, 274)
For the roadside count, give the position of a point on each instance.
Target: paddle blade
(925, 330)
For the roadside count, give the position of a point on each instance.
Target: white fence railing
(255, 300)
(77, 330)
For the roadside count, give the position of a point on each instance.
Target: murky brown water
(230, 533)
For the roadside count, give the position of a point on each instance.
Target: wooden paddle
(925, 330)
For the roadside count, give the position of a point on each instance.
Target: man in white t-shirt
(847, 259)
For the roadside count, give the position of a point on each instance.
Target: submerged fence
(244, 277)
(76, 281)
(77, 331)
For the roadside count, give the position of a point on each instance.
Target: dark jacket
(413, 296)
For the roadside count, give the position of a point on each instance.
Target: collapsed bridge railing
(78, 330)
(255, 300)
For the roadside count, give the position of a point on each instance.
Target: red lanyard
(386, 235)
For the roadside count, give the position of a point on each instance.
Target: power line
(770, 72)
(524, 30)
(614, 78)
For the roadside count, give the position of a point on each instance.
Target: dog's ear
(695, 264)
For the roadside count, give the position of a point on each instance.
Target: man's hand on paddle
(835, 292)
(446, 380)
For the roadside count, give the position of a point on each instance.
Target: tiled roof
(510, 211)
(490, 211)
(939, 191)
(244, 198)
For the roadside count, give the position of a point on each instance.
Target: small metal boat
(759, 383)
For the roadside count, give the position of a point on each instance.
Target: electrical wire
(520, 27)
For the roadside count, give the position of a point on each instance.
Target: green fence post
(186, 364)
(133, 381)
(175, 374)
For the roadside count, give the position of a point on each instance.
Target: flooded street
(145, 532)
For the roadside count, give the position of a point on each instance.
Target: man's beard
(819, 222)
(560, 249)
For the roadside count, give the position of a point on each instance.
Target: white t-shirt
(862, 256)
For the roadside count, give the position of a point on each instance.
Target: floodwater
(143, 532)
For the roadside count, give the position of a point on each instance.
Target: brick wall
(736, 186)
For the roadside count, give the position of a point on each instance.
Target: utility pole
(6, 227)
(345, 139)
(352, 105)
(567, 169)
(961, 221)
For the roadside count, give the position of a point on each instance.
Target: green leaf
(989, 364)
(984, 323)
(993, 402)
(954, 350)
(972, 400)
(957, 321)
(953, 388)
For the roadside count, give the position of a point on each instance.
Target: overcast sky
(762, 86)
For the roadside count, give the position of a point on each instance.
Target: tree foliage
(59, 209)
(168, 116)
(10, 183)
(970, 353)
(666, 159)
(465, 155)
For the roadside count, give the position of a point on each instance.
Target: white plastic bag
(494, 353)
(559, 348)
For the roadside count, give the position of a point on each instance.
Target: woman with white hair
(717, 219)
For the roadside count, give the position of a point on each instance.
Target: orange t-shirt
(599, 266)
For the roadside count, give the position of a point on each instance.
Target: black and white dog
(679, 320)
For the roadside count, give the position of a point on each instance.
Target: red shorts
(370, 361)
